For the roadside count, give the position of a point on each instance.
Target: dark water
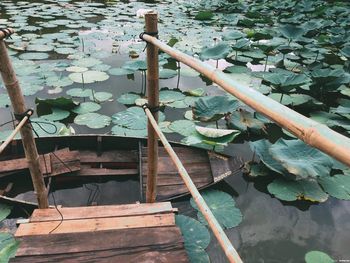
(271, 230)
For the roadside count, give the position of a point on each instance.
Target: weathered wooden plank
(99, 240)
(105, 172)
(171, 190)
(96, 224)
(165, 165)
(19, 164)
(109, 156)
(64, 161)
(220, 166)
(180, 150)
(108, 256)
(71, 213)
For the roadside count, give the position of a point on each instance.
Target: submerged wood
(219, 233)
(17, 100)
(151, 20)
(311, 132)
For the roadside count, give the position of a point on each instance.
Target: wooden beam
(151, 20)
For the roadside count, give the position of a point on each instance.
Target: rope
(151, 109)
(7, 33)
(152, 34)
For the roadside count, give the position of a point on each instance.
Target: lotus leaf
(167, 73)
(326, 73)
(214, 133)
(86, 62)
(128, 98)
(80, 93)
(8, 247)
(337, 186)
(183, 127)
(217, 52)
(133, 118)
(34, 56)
(195, 92)
(196, 238)
(60, 102)
(101, 96)
(93, 120)
(5, 210)
(40, 48)
(346, 51)
(233, 35)
(291, 31)
(288, 153)
(222, 206)
(86, 107)
(120, 71)
(288, 190)
(242, 120)
(213, 108)
(135, 65)
(204, 15)
(90, 76)
(197, 138)
(188, 72)
(169, 96)
(43, 127)
(77, 69)
(56, 115)
(287, 80)
(318, 257)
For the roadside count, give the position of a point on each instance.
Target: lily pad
(169, 96)
(34, 56)
(214, 133)
(183, 127)
(120, 71)
(213, 108)
(222, 206)
(337, 186)
(8, 246)
(93, 120)
(101, 96)
(5, 210)
(90, 76)
(196, 238)
(217, 52)
(167, 73)
(78, 92)
(292, 31)
(318, 257)
(56, 115)
(128, 98)
(204, 15)
(244, 120)
(289, 190)
(86, 107)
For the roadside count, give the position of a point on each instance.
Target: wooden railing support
(151, 20)
(18, 104)
(219, 233)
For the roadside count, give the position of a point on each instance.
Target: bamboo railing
(311, 132)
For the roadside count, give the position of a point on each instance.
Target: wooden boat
(72, 157)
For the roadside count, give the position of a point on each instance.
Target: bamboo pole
(18, 104)
(219, 233)
(311, 132)
(151, 20)
(14, 132)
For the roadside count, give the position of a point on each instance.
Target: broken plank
(95, 224)
(71, 213)
(85, 171)
(117, 156)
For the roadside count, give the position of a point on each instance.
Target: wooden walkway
(122, 233)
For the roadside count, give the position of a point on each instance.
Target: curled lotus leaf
(213, 132)
(217, 52)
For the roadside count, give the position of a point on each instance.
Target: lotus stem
(267, 57)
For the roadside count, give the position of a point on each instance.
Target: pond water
(272, 230)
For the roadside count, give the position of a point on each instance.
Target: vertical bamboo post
(151, 20)
(18, 104)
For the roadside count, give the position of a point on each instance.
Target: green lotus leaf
(128, 98)
(90, 76)
(213, 132)
(164, 126)
(5, 210)
(213, 108)
(217, 52)
(292, 31)
(204, 15)
(188, 72)
(93, 120)
(244, 120)
(45, 128)
(183, 127)
(222, 206)
(56, 115)
(8, 247)
(76, 69)
(286, 79)
(289, 190)
(65, 50)
(86, 107)
(78, 92)
(337, 186)
(345, 51)
(101, 96)
(241, 44)
(237, 69)
(60, 102)
(169, 96)
(197, 138)
(86, 62)
(40, 48)
(133, 118)
(34, 56)
(233, 35)
(120, 71)
(165, 73)
(318, 257)
(327, 73)
(178, 104)
(122, 131)
(195, 92)
(196, 238)
(135, 65)
(288, 153)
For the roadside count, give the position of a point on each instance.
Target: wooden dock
(118, 233)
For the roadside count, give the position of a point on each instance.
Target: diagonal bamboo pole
(309, 131)
(151, 20)
(18, 104)
(219, 233)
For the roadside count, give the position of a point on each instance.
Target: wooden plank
(108, 256)
(175, 179)
(122, 156)
(105, 172)
(180, 150)
(220, 166)
(71, 213)
(19, 164)
(165, 165)
(64, 161)
(100, 240)
(96, 224)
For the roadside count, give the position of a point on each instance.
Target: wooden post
(18, 104)
(151, 20)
